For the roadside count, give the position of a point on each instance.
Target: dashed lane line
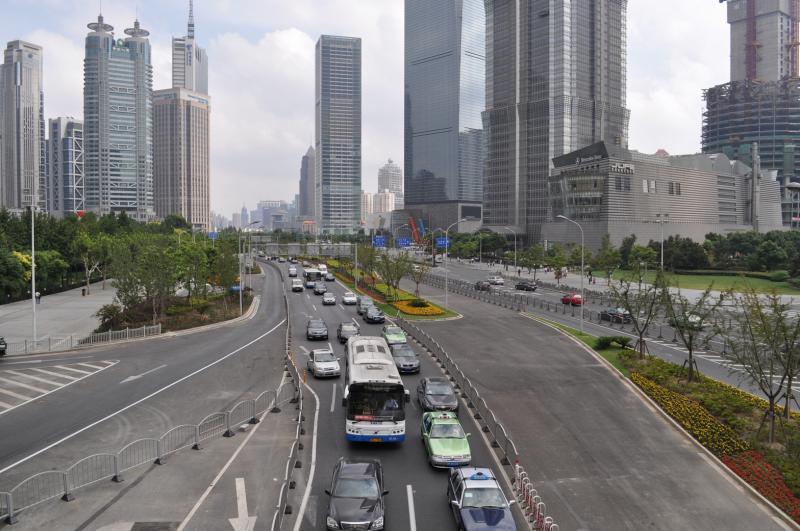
(412, 517)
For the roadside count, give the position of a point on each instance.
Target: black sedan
(346, 330)
(405, 358)
(616, 315)
(374, 315)
(482, 285)
(356, 495)
(316, 329)
(525, 285)
(320, 288)
(436, 394)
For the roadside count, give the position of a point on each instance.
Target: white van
(323, 268)
(297, 284)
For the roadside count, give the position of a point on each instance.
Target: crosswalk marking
(23, 385)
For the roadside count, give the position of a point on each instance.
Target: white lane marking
(243, 522)
(95, 367)
(51, 373)
(304, 349)
(354, 320)
(412, 518)
(35, 378)
(313, 467)
(232, 458)
(72, 369)
(145, 373)
(314, 306)
(48, 360)
(6, 406)
(330, 347)
(308, 296)
(20, 384)
(333, 398)
(137, 402)
(340, 306)
(15, 395)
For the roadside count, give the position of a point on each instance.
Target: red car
(572, 298)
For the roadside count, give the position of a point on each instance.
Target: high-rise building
(118, 122)
(181, 156)
(445, 72)
(189, 61)
(761, 103)
(65, 180)
(384, 202)
(338, 135)
(22, 143)
(244, 217)
(307, 201)
(236, 220)
(390, 177)
(367, 203)
(555, 83)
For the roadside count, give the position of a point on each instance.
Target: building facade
(307, 200)
(445, 73)
(181, 168)
(556, 82)
(22, 140)
(390, 177)
(611, 190)
(65, 178)
(189, 61)
(385, 201)
(338, 135)
(367, 204)
(118, 122)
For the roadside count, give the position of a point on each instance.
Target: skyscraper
(307, 201)
(65, 177)
(556, 82)
(189, 61)
(445, 74)
(761, 103)
(390, 177)
(22, 169)
(338, 134)
(118, 122)
(181, 156)
(244, 217)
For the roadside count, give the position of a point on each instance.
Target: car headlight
(332, 523)
(377, 524)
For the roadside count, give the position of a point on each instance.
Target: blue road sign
(441, 243)
(212, 235)
(379, 241)
(403, 242)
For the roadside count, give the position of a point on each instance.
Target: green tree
(417, 274)
(50, 267)
(769, 256)
(367, 257)
(392, 270)
(642, 255)
(557, 260)
(193, 269)
(641, 303)
(607, 258)
(12, 275)
(625, 250)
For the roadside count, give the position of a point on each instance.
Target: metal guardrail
(52, 344)
(481, 412)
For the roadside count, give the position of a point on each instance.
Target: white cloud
(63, 89)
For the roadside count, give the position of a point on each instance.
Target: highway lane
(599, 455)
(234, 361)
(404, 464)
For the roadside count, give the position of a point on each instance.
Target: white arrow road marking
(412, 518)
(132, 378)
(243, 522)
(333, 398)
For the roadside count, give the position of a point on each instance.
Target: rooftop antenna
(191, 19)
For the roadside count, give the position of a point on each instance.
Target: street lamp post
(33, 267)
(242, 269)
(661, 218)
(446, 269)
(582, 252)
(515, 245)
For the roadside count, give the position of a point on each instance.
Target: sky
(261, 75)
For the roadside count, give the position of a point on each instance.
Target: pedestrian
(38, 297)
(519, 272)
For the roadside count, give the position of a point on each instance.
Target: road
(405, 464)
(599, 455)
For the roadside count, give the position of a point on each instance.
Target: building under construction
(761, 103)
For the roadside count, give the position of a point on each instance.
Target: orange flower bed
(407, 308)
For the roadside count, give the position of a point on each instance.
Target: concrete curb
(768, 506)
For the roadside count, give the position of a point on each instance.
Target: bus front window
(385, 404)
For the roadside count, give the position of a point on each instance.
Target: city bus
(374, 395)
(312, 275)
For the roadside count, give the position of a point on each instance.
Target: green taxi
(445, 440)
(393, 335)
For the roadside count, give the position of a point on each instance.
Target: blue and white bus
(374, 395)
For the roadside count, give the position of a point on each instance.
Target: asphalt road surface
(405, 464)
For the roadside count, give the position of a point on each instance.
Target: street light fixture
(515, 245)
(444, 262)
(241, 269)
(661, 219)
(582, 251)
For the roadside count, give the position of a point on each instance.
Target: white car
(292, 271)
(349, 298)
(496, 280)
(322, 362)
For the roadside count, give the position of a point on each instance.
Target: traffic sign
(441, 243)
(379, 241)
(212, 235)
(403, 242)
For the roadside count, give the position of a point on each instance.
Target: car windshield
(483, 497)
(356, 488)
(348, 294)
(315, 324)
(403, 353)
(439, 389)
(394, 330)
(447, 431)
(324, 356)
(348, 328)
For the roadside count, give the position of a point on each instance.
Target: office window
(644, 186)
(671, 188)
(652, 187)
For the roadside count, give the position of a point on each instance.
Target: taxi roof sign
(479, 476)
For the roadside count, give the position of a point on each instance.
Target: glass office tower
(445, 76)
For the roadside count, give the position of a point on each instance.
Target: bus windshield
(370, 402)
(312, 274)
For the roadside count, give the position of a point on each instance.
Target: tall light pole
(241, 269)
(582, 251)
(33, 263)
(446, 244)
(661, 218)
(397, 229)
(515, 245)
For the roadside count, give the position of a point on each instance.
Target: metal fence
(54, 344)
(483, 414)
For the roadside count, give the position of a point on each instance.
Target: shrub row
(753, 468)
(604, 342)
(774, 276)
(711, 433)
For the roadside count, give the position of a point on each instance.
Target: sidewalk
(57, 315)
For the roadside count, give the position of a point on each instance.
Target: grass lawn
(721, 282)
(612, 354)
